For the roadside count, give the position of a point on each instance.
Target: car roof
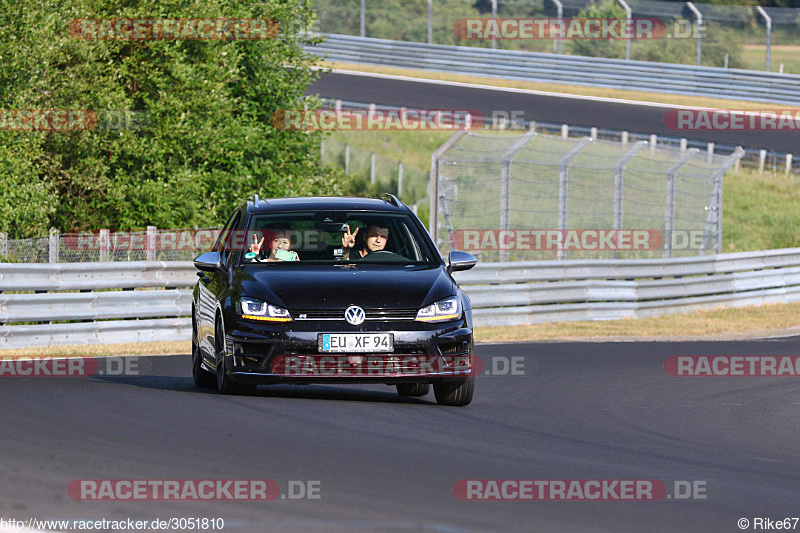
(322, 203)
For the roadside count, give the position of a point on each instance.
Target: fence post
(768, 19)
(105, 244)
(738, 161)
(430, 21)
(560, 8)
(699, 29)
(564, 131)
(372, 168)
(710, 156)
(151, 243)
(762, 157)
(624, 138)
(363, 18)
(433, 183)
(400, 180)
(593, 133)
(322, 150)
(670, 216)
(505, 187)
(684, 145)
(53, 245)
(494, 18)
(653, 142)
(628, 26)
(619, 168)
(788, 164)
(347, 159)
(4, 245)
(563, 182)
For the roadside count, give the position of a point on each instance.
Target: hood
(335, 287)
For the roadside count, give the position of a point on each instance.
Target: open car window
(316, 237)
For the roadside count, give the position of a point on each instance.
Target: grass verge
(719, 324)
(103, 350)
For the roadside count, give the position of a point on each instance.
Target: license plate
(356, 342)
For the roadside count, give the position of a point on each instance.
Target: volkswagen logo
(354, 315)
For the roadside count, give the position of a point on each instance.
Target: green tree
(206, 140)
(615, 48)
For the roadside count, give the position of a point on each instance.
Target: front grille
(338, 314)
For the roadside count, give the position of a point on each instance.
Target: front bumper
(261, 353)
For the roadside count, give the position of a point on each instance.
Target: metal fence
(105, 245)
(111, 303)
(517, 197)
(706, 32)
(669, 78)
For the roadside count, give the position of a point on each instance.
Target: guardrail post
(788, 164)
(563, 182)
(710, 156)
(619, 168)
(564, 131)
(151, 243)
(53, 245)
(670, 217)
(624, 138)
(684, 145)
(505, 187)
(593, 133)
(4, 245)
(653, 142)
(699, 30)
(400, 180)
(768, 19)
(762, 157)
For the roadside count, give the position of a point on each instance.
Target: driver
(279, 248)
(374, 241)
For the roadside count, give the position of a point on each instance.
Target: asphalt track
(561, 109)
(580, 411)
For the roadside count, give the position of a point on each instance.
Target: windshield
(327, 237)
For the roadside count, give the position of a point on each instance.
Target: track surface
(544, 108)
(581, 411)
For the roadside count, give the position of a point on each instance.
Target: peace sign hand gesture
(349, 239)
(256, 246)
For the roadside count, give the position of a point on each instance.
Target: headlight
(447, 309)
(253, 309)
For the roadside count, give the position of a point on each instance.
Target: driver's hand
(349, 239)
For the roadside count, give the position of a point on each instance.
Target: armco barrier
(748, 85)
(151, 301)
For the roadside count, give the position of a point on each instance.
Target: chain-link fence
(712, 35)
(513, 196)
(109, 245)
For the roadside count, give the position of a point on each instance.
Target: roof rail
(392, 199)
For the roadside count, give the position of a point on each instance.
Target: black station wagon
(331, 290)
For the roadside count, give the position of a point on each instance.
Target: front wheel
(202, 377)
(414, 390)
(454, 393)
(225, 384)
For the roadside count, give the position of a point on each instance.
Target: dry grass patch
(721, 323)
(103, 350)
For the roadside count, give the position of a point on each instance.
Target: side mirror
(209, 262)
(460, 261)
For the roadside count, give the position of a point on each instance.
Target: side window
(226, 242)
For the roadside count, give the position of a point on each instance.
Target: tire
(225, 384)
(454, 393)
(413, 390)
(202, 377)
